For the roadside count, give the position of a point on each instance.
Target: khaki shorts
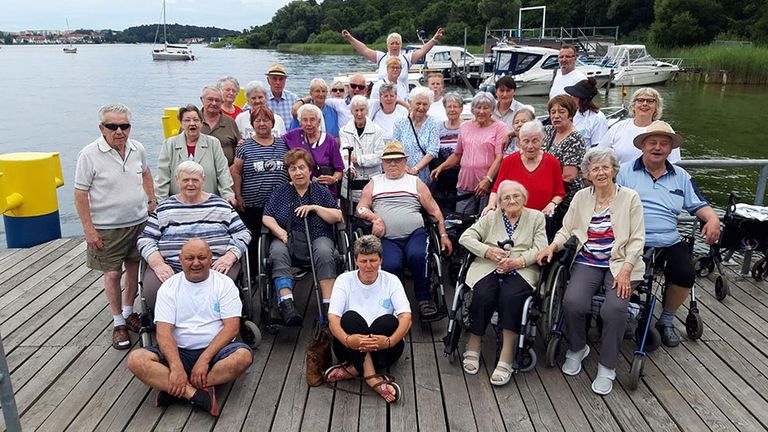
(119, 246)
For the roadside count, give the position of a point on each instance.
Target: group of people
(290, 164)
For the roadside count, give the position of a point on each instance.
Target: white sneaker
(603, 383)
(573, 359)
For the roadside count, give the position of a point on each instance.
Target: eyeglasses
(357, 86)
(115, 126)
(338, 90)
(395, 67)
(644, 100)
(599, 169)
(212, 99)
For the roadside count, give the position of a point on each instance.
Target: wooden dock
(56, 330)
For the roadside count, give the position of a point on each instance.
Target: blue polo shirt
(285, 200)
(282, 105)
(663, 199)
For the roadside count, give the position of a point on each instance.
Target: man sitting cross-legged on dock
(197, 316)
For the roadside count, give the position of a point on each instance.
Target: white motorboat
(442, 58)
(69, 49)
(634, 67)
(534, 68)
(170, 51)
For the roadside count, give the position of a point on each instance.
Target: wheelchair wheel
(703, 266)
(759, 269)
(526, 361)
(721, 288)
(636, 372)
(553, 350)
(250, 334)
(653, 341)
(694, 326)
(555, 301)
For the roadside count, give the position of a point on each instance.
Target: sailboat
(170, 51)
(69, 49)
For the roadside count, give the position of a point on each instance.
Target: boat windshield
(515, 63)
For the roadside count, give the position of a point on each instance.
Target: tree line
(669, 23)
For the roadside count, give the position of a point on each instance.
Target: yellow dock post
(28, 201)
(171, 124)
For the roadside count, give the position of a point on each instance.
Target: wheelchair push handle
(733, 199)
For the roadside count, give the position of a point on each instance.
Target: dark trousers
(678, 266)
(414, 250)
(505, 293)
(252, 219)
(385, 325)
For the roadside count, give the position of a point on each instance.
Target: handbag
(297, 240)
(434, 163)
(318, 356)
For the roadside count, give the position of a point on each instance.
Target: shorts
(119, 246)
(189, 357)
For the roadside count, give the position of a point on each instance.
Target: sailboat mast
(165, 36)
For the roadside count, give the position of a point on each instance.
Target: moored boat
(170, 51)
(633, 66)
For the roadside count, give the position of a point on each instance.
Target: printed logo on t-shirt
(386, 303)
(269, 165)
(217, 307)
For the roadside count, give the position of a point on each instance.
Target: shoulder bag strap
(413, 128)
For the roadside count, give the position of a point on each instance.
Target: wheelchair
(534, 310)
(267, 299)
(249, 331)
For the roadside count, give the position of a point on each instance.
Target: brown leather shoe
(120, 338)
(133, 322)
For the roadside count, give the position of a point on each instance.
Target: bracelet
(302, 101)
(553, 202)
(489, 179)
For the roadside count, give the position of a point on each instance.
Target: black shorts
(677, 263)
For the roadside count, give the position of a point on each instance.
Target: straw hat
(277, 70)
(393, 150)
(659, 127)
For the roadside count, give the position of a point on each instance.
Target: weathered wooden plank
(18, 357)
(17, 262)
(402, 415)
(614, 411)
(543, 414)
(46, 376)
(82, 391)
(565, 393)
(125, 407)
(202, 421)
(431, 413)
(668, 396)
(30, 267)
(455, 394)
(31, 366)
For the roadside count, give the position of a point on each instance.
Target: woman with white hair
(502, 278)
(647, 106)
(335, 111)
(384, 110)
(393, 68)
(479, 152)
(230, 88)
(256, 95)
(366, 140)
(190, 213)
(418, 134)
(608, 221)
(328, 165)
(394, 47)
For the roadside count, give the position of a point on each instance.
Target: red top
(234, 114)
(543, 183)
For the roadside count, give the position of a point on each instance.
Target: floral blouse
(570, 152)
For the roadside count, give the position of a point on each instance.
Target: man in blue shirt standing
(665, 191)
(279, 100)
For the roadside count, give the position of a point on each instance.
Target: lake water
(50, 100)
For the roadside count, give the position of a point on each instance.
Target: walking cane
(322, 319)
(350, 204)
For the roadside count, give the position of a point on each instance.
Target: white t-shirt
(243, 122)
(196, 310)
(437, 111)
(386, 296)
(385, 121)
(405, 61)
(563, 81)
(592, 125)
(402, 90)
(620, 137)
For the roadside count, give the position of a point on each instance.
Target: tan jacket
(530, 237)
(627, 222)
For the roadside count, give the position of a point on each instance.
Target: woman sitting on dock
(647, 106)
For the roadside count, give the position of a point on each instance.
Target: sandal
(470, 359)
(427, 309)
(502, 374)
(380, 387)
(346, 374)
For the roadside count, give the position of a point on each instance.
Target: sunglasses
(115, 126)
(357, 86)
(338, 90)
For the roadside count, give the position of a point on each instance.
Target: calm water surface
(50, 100)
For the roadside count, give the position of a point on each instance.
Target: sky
(17, 15)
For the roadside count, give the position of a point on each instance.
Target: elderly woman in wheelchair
(607, 220)
(191, 213)
(505, 242)
(284, 215)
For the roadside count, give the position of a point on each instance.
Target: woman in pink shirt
(479, 152)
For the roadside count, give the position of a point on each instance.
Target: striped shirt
(263, 170)
(174, 223)
(597, 249)
(397, 202)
